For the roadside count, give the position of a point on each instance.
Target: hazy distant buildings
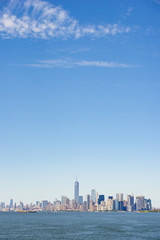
(21, 205)
(2, 205)
(44, 205)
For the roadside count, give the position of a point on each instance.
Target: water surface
(76, 225)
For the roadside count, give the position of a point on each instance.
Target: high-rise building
(116, 205)
(97, 196)
(149, 204)
(93, 195)
(63, 200)
(100, 199)
(130, 203)
(110, 202)
(11, 203)
(80, 200)
(120, 205)
(139, 203)
(88, 201)
(76, 191)
(119, 197)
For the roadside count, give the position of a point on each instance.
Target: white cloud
(129, 11)
(70, 63)
(41, 19)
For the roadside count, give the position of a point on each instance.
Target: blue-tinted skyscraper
(149, 205)
(11, 203)
(76, 191)
(100, 199)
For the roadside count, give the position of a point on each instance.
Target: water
(72, 225)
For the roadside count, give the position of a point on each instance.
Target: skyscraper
(149, 204)
(139, 203)
(11, 203)
(88, 201)
(76, 191)
(93, 195)
(100, 199)
(130, 200)
(119, 197)
(80, 200)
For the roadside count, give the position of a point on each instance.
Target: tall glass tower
(11, 203)
(76, 191)
(93, 195)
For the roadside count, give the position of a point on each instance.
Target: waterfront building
(110, 202)
(139, 203)
(116, 205)
(149, 204)
(145, 204)
(130, 203)
(76, 191)
(88, 201)
(93, 195)
(119, 201)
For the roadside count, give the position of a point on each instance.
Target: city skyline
(92, 202)
(79, 96)
(93, 197)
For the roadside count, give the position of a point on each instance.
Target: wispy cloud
(70, 63)
(156, 1)
(128, 13)
(41, 19)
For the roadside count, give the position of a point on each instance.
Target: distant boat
(27, 211)
(30, 211)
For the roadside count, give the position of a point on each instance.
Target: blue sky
(79, 96)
